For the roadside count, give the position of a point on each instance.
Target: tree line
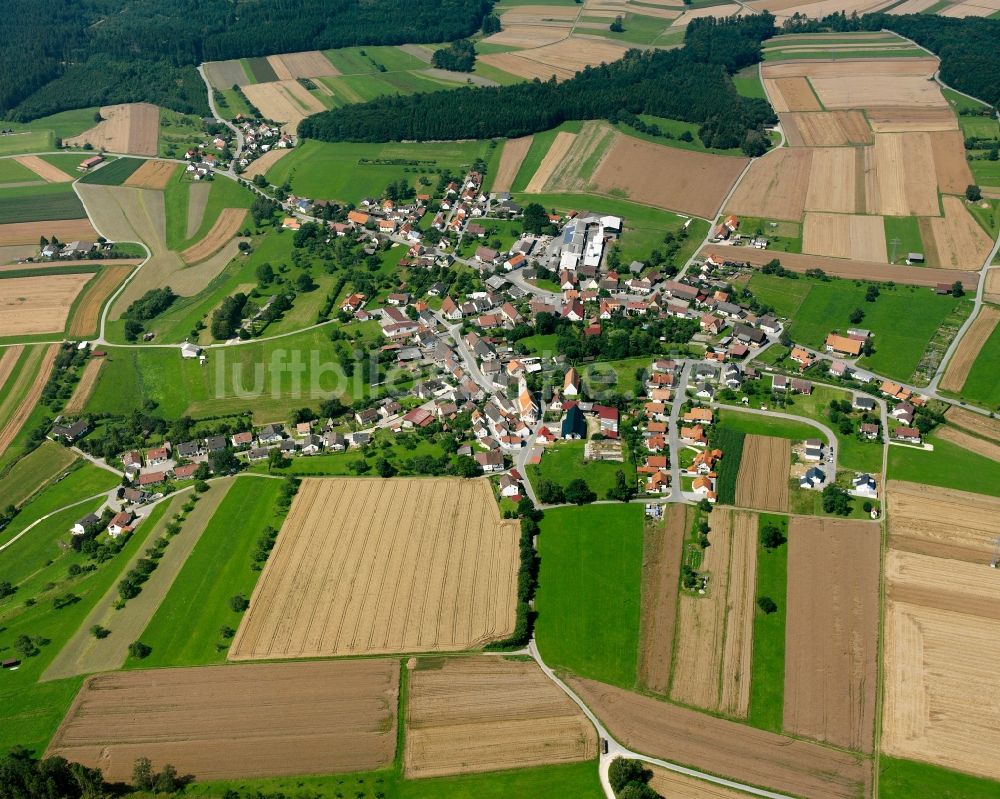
(692, 84)
(61, 54)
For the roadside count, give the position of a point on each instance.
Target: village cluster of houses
(259, 137)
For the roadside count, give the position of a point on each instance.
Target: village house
(85, 523)
(842, 345)
(869, 431)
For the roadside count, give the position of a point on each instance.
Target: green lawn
(781, 236)
(986, 173)
(185, 629)
(13, 172)
(367, 60)
(767, 685)
(903, 318)
(982, 385)
(905, 231)
(948, 466)
(40, 134)
(33, 472)
(987, 213)
(763, 426)
(588, 595)
(539, 344)
(747, 82)
(637, 29)
(333, 172)
(564, 461)
(906, 779)
(675, 127)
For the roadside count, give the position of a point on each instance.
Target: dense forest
(61, 54)
(691, 83)
(969, 48)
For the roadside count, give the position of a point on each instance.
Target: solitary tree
(771, 537)
(616, 26)
(957, 290)
(138, 649)
(238, 603)
(766, 604)
(973, 193)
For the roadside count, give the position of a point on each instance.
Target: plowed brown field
(831, 638)
(968, 350)
(222, 231)
(737, 658)
(973, 422)
(128, 128)
(953, 173)
(283, 101)
(791, 94)
(309, 64)
(30, 305)
(88, 311)
(726, 748)
(20, 414)
(861, 91)
(665, 177)
(513, 154)
(861, 270)
(855, 67)
(382, 566)
(959, 241)
(265, 162)
(43, 169)
(234, 722)
(30, 232)
(762, 482)
(661, 568)
(488, 713)
(992, 288)
(775, 186)
(83, 389)
(942, 632)
(152, 174)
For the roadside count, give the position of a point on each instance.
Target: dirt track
(831, 640)
(488, 713)
(968, 350)
(234, 722)
(839, 267)
(661, 568)
(372, 566)
(762, 482)
(725, 747)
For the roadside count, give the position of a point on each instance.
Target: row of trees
(691, 84)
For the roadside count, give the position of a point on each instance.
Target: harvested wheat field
(225, 228)
(478, 714)
(514, 151)
(833, 184)
(968, 350)
(30, 232)
(43, 169)
(665, 177)
(265, 162)
(901, 120)
(826, 128)
(865, 89)
(680, 786)
(775, 186)
(233, 722)
(831, 638)
(8, 358)
(583, 160)
(132, 128)
(737, 658)
(791, 94)
(973, 422)
(310, 64)
(286, 101)
(82, 391)
(959, 241)
(988, 449)
(557, 151)
(839, 267)
(30, 305)
(27, 403)
(854, 68)
(539, 15)
(762, 482)
(951, 168)
(519, 66)
(992, 288)
(572, 55)
(88, 311)
(942, 522)
(152, 174)
(371, 566)
(725, 748)
(661, 568)
(904, 181)
(559, 56)
(529, 36)
(942, 643)
(860, 238)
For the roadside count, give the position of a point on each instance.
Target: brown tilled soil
(371, 566)
(30, 305)
(511, 158)
(974, 422)
(863, 90)
(224, 75)
(83, 389)
(222, 231)
(310, 64)
(661, 568)
(666, 177)
(16, 420)
(726, 748)
(942, 522)
(264, 163)
(831, 638)
(792, 94)
(283, 101)
(775, 186)
(128, 128)
(839, 267)
(30, 232)
(961, 362)
(43, 169)
(762, 482)
(488, 713)
(953, 173)
(235, 722)
(961, 243)
(557, 151)
(855, 67)
(88, 312)
(152, 174)
(992, 292)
